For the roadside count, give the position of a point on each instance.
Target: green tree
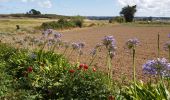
(128, 12)
(34, 12)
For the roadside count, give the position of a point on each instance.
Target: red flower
(94, 69)
(71, 71)
(111, 97)
(29, 69)
(81, 66)
(85, 67)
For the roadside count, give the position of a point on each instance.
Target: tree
(34, 12)
(128, 12)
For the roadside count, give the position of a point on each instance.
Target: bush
(63, 24)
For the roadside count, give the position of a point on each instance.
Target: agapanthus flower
(78, 45)
(110, 44)
(160, 66)
(131, 43)
(47, 32)
(169, 35)
(167, 45)
(81, 44)
(75, 46)
(108, 40)
(57, 35)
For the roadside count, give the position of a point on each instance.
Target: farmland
(90, 36)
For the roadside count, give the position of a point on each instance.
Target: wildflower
(160, 66)
(57, 35)
(75, 46)
(93, 52)
(81, 44)
(167, 45)
(110, 44)
(81, 66)
(111, 97)
(85, 66)
(29, 69)
(169, 35)
(131, 43)
(108, 40)
(47, 32)
(71, 71)
(94, 69)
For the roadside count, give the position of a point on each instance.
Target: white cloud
(45, 4)
(149, 7)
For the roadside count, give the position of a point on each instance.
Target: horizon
(102, 8)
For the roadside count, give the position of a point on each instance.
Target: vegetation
(42, 73)
(128, 12)
(34, 12)
(118, 19)
(63, 24)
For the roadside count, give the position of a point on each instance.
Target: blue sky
(86, 7)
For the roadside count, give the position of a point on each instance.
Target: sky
(157, 8)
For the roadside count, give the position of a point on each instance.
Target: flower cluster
(110, 44)
(78, 45)
(131, 43)
(47, 32)
(82, 66)
(160, 66)
(167, 45)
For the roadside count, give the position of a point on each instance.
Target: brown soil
(122, 62)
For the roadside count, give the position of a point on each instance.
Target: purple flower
(75, 46)
(160, 66)
(169, 35)
(57, 35)
(108, 40)
(131, 43)
(33, 56)
(167, 45)
(81, 44)
(78, 45)
(110, 44)
(47, 32)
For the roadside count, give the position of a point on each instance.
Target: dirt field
(122, 63)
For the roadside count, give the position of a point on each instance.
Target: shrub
(63, 24)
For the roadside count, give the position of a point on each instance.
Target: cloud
(149, 7)
(45, 4)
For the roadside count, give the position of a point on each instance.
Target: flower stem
(134, 71)
(158, 45)
(92, 60)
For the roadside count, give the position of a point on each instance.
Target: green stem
(92, 60)
(134, 71)
(70, 53)
(158, 45)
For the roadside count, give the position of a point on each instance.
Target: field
(122, 65)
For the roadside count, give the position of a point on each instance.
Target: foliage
(128, 13)
(118, 19)
(63, 23)
(34, 12)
